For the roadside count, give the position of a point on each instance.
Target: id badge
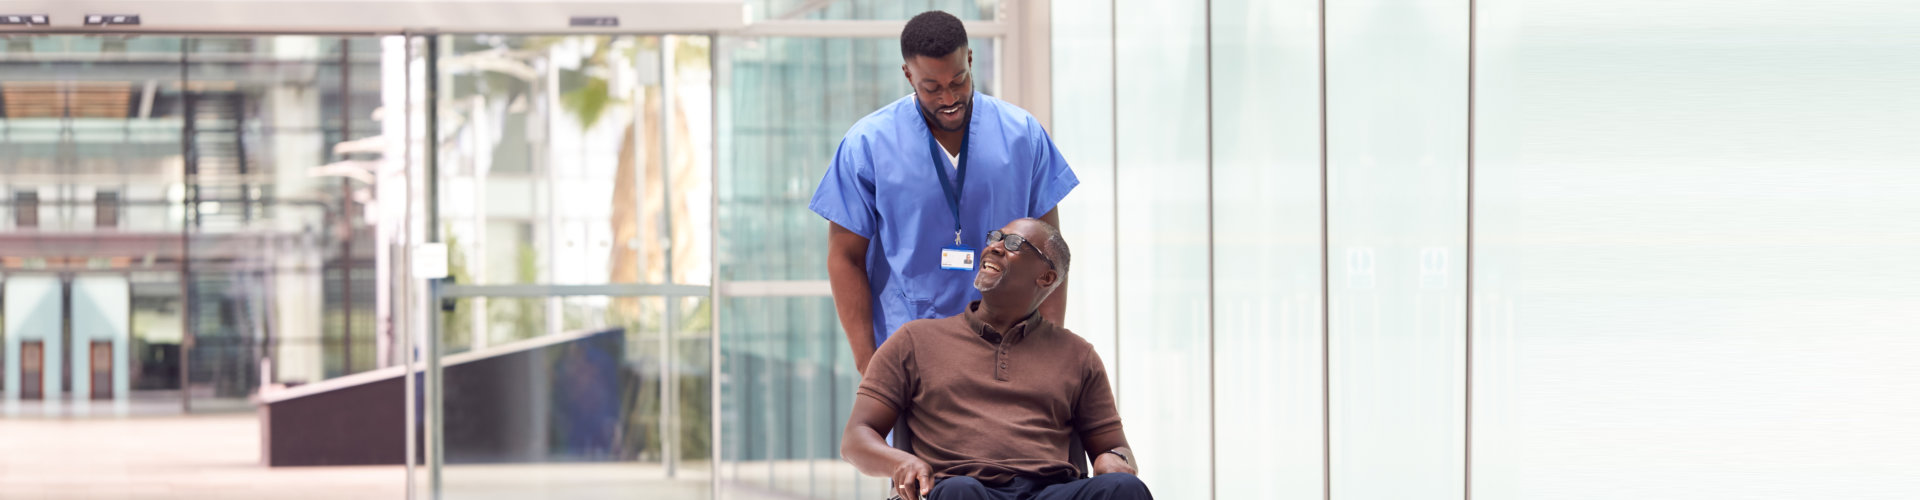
(956, 258)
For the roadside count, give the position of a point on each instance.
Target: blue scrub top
(882, 186)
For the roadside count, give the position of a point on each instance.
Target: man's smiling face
(943, 86)
(1003, 271)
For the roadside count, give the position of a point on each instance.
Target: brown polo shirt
(990, 405)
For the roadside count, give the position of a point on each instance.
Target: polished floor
(218, 457)
(214, 457)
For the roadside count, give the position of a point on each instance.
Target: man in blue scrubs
(916, 186)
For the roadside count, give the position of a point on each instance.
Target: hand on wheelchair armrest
(1108, 463)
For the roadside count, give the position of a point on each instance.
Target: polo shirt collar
(1030, 325)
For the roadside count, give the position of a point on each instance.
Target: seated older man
(994, 394)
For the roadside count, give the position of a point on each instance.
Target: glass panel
(1695, 267)
(1163, 297)
(787, 390)
(262, 117)
(691, 372)
(579, 414)
(547, 143)
(785, 104)
(1266, 218)
(572, 160)
(1396, 87)
(1083, 130)
(689, 185)
(505, 320)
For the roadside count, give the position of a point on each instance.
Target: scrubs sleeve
(846, 194)
(1052, 178)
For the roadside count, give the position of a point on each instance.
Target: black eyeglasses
(1015, 243)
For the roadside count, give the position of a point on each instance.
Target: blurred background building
(1450, 249)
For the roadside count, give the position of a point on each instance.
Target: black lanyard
(958, 185)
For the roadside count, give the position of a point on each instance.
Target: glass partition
(1164, 324)
(1396, 217)
(1696, 239)
(1267, 369)
(263, 121)
(575, 175)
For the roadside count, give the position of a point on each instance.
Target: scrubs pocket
(921, 308)
(898, 309)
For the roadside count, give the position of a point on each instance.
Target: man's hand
(1108, 463)
(912, 475)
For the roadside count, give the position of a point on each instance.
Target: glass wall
(263, 117)
(1265, 120)
(210, 177)
(1695, 244)
(1396, 217)
(575, 175)
(1212, 111)
(1687, 276)
(1083, 92)
(1161, 156)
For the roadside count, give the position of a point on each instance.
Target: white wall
(32, 313)
(101, 310)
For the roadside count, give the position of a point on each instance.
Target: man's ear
(969, 58)
(1047, 279)
(908, 75)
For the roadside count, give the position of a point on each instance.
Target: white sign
(429, 261)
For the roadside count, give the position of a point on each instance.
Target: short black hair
(933, 34)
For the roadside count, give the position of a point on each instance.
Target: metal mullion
(669, 448)
(187, 208)
(436, 435)
(410, 387)
(1467, 440)
(1213, 404)
(1113, 142)
(549, 110)
(713, 268)
(552, 290)
(1326, 297)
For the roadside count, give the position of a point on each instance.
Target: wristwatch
(1123, 457)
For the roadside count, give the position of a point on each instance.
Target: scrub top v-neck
(880, 186)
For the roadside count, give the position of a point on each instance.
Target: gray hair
(1057, 246)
